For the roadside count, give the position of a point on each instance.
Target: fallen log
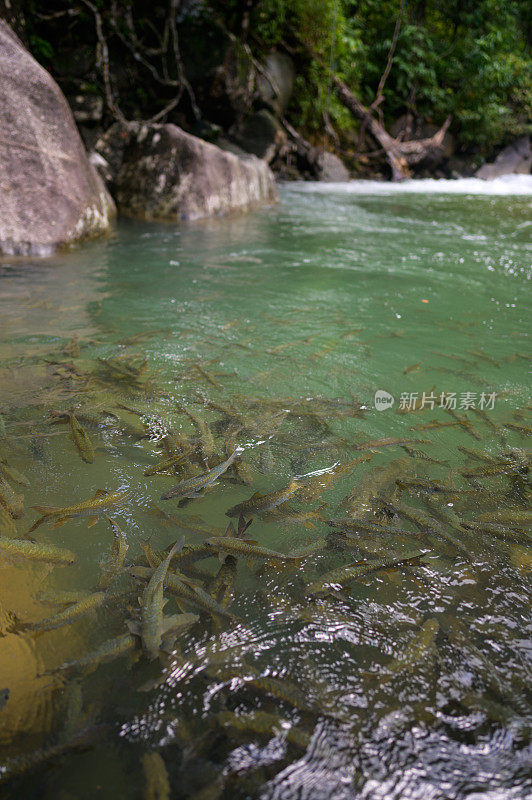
(401, 155)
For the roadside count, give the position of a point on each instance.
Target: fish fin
(255, 496)
(243, 525)
(37, 523)
(230, 530)
(59, 522)
(133, 626)
(92, 521)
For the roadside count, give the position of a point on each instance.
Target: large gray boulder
(276, 84)
(514, 159)
(330, 168)
(166, 173)
(261, 135)
(51, 195)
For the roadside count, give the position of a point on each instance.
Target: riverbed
(365, 344)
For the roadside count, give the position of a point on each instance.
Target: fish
(12, 474)
(185, 589)
(204, 432)
(12, 502)
(345, 574)
(167, 465)
(430, 487)
(62, 597)
(7, 524)
(70, 614)
(499, 531)
(240, 468)
(206, 375)
(153, 602)
(379, 482)
(264, 723)
(152, 557)
(412, 368)
(108, 651)
(323, 479)
(465, 424)
(192, 487)
(378, 444)
(425, 522)
(508, 517)
(246, 548)
(290, 516)
(37, 551)
(222, 583)
(117, 554)
(367, 526)
(491, 470)
(478, 455)
(98, 505)
(81, 440)
(261, 503)
(416, 650)
(483, 356)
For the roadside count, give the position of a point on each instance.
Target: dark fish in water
(4, 697)
(168, 464)
(264, 723)
(377, 444)
(246, 548)
(192, 487)
(421, 456)
(430, 486)
(152, 628)
(70, 614)
(12, 502)
(343, 575)
(416, 650)
(97, 506)
(412, 368)
(204, 432)
(36, 551)
(115, 561)
(185, 589)
(262, 503)
(81, 440)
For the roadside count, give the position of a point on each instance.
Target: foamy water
(506, 185)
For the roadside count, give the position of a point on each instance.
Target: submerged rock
(514, 159)
(166, 173)
(51, 194)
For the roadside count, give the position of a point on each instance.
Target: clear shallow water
(309, 307)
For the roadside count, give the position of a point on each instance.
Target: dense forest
(410, 64)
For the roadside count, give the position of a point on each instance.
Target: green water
(296, 315)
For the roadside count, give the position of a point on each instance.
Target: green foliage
(41, 48)
(467, 58)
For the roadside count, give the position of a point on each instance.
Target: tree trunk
(400, 155)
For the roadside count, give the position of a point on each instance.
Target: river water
(274, 331)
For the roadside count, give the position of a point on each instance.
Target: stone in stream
(516, 159)
(161, 172)
(51, 195)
